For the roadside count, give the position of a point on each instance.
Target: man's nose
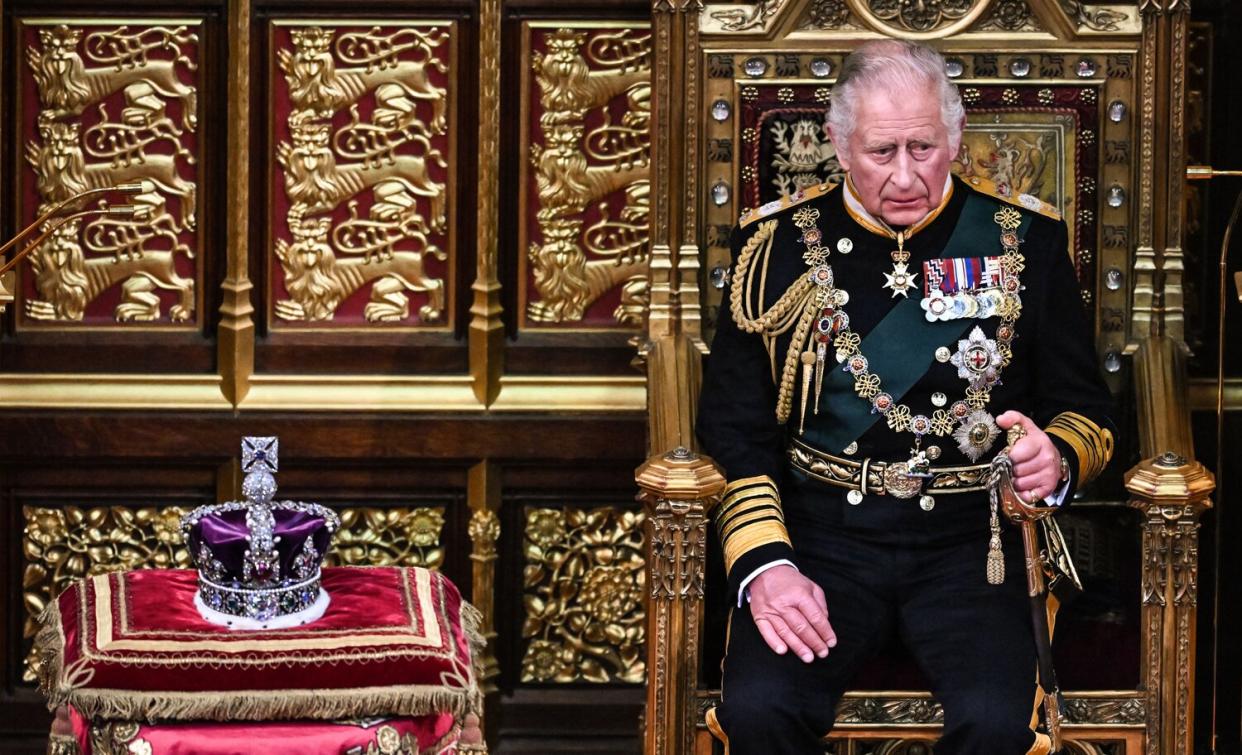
(903, 171)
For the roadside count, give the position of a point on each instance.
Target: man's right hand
(791, 613)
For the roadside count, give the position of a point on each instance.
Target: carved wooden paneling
(362, 176)
(107, 102)
(585, 191)
(401, 536)
(583, 578)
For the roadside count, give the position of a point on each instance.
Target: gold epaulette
(784, 203)
(1025, 201)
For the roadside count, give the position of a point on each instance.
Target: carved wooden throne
(1080, 104)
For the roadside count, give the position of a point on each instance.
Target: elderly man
(878, 340)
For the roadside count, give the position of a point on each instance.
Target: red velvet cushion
(432, 734)
(131, 646)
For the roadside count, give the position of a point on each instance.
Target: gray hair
(893, 65)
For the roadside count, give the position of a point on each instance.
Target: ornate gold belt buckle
(899, 482)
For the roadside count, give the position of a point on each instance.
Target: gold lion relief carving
(83, 259)
(387, 159)
(67, 281)
(67, 86)
(585, 158)
(318, 281)
(313, 178)
(315, 83)
(61, 169)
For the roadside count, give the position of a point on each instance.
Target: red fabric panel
(432, 733)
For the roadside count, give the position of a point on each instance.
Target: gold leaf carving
(827, 15)
(389, 537)
(593, 152)
(583, 593)
(920, 15)
(140, 142)
(387, 163)
(61, 545)
(741, 19)
(1010, 15)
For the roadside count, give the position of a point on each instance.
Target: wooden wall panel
(408, 387)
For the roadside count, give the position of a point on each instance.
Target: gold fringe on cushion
(265, 705)
(49, 645)
(62, 744)
(472, 627)
(60, 687)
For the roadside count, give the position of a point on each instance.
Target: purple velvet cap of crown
(224, 533)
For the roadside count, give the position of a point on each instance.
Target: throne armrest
(679, 488)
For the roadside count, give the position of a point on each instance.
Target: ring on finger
(1032, 497)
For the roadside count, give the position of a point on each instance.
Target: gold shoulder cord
(797, 304)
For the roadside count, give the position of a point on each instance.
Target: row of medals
(979, 360)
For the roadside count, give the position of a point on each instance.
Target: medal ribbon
(888, 345)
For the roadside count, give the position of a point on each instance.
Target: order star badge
(977, 359)
(901, 280)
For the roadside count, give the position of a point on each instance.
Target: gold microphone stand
(139, 211)
(1204, 173)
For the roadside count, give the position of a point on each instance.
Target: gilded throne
(1066, 101)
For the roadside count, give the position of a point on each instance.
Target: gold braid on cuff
(1091, 443)
(749, 517)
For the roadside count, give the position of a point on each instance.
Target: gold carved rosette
(401, 536)
(363, 133)
(586, 200)
(102, 103)
(583, 584)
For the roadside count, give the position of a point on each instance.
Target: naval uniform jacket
(1053, 376)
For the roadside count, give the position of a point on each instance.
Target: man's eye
(920, 149)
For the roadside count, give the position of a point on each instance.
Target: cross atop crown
(260, 453)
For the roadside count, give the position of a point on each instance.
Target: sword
(1027, 516)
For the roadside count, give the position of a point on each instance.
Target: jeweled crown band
(878, 477)
(259, 604)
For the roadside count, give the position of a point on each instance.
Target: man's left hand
(1036, 461)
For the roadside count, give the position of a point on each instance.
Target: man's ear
(842, 157)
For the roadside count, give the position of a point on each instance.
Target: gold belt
(885, 478)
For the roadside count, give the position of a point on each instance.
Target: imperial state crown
(259, 561)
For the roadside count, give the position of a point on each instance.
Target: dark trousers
(973, 640)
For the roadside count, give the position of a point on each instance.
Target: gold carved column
(679, 489)
(1171, 492)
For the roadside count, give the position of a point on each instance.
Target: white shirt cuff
(741, 590)
(1057, 497)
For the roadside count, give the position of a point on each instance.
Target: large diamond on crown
(259, 561)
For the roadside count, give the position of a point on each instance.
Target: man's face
(899, 154)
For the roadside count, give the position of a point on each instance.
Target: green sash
(902, 346)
